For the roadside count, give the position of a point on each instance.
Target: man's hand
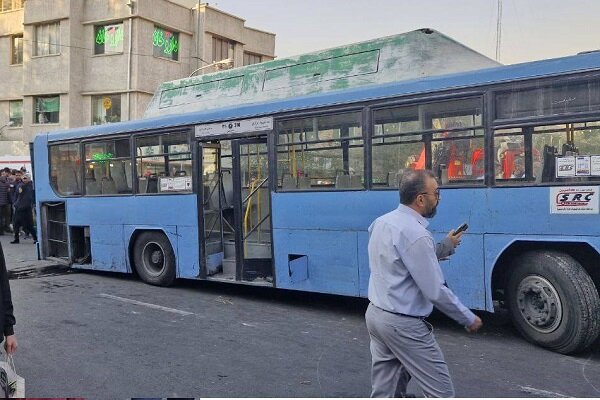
(474, 327)
(10, 344)
(455, 239)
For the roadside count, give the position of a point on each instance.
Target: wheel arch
(133, 237)
(583, 252)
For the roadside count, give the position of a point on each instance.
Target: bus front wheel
(553, 301)
(154, 259)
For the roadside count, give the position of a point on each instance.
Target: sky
(531, 29)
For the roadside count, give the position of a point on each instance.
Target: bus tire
(154, 259)
(553, 301)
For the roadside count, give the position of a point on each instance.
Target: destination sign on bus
(239, 126)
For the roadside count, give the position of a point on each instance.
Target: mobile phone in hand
(461, 229)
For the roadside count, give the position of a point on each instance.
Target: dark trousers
(24, 218)
(5, 218)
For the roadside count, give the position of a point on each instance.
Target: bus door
(252, 211)
(212, 201)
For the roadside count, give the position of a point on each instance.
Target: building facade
(72, 63)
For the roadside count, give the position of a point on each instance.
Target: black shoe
(14, 242)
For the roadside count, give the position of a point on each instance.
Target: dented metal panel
(407, 56)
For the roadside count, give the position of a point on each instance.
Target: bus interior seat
(288, 183)
(152, 184)
(343, 182)
(392, 179)
(549, 164)
(68, 183)
(180, 173)
(142, 185)
(303, 182)
(108, 185)
(356, 181)
(92, 187)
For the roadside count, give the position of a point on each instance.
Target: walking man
(406, 281)
(23, 209)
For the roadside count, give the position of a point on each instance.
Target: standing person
(4, 203)
(7, 318)
(406, 281)
(24, 210)
(15, 179)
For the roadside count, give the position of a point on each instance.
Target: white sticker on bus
(239, 126)
(574, 200)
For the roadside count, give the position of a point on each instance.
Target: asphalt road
(108, 336)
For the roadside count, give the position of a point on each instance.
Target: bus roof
(417, 54)
(542, 68)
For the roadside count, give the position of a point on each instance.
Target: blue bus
(280, 193)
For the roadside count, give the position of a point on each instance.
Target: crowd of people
(17, 199)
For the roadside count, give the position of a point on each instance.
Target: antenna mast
(499, 31)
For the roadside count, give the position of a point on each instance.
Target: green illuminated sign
(165, 40)
(102, 157)
(111, 35)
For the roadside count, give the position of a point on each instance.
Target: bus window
(510, 155)
(164, 163)
(454, 129)
(395, 146)
(65, 160)
(573, 148)
(320, 153)
(107, 167)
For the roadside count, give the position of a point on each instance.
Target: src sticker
(574, 200)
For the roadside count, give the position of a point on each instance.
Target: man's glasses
(436, 194)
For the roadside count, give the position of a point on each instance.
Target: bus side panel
(107, 249)
(332, 263)
(495, 244)
(187, 252)
(363, 263)
(464, 271)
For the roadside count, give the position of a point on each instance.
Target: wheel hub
(539, 303)
(153, 258)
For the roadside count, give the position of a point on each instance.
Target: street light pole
(9, 123)
(226, 61)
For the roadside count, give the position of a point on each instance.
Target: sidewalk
(22, 255)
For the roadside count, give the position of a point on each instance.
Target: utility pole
(499, 31)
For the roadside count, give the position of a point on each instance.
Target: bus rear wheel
(553, 301)
(154, 259)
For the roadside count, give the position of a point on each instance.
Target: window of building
(108, 167)
(250, 58)
(15, 112)
(166, 44)
(108, 38)
(321, 153)
(46, 109)
(164, 163)
(445, 136)
(16, 45)
(222, 49)
(106, 109)
(65, 160)
(47, 39)
(9, 5)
